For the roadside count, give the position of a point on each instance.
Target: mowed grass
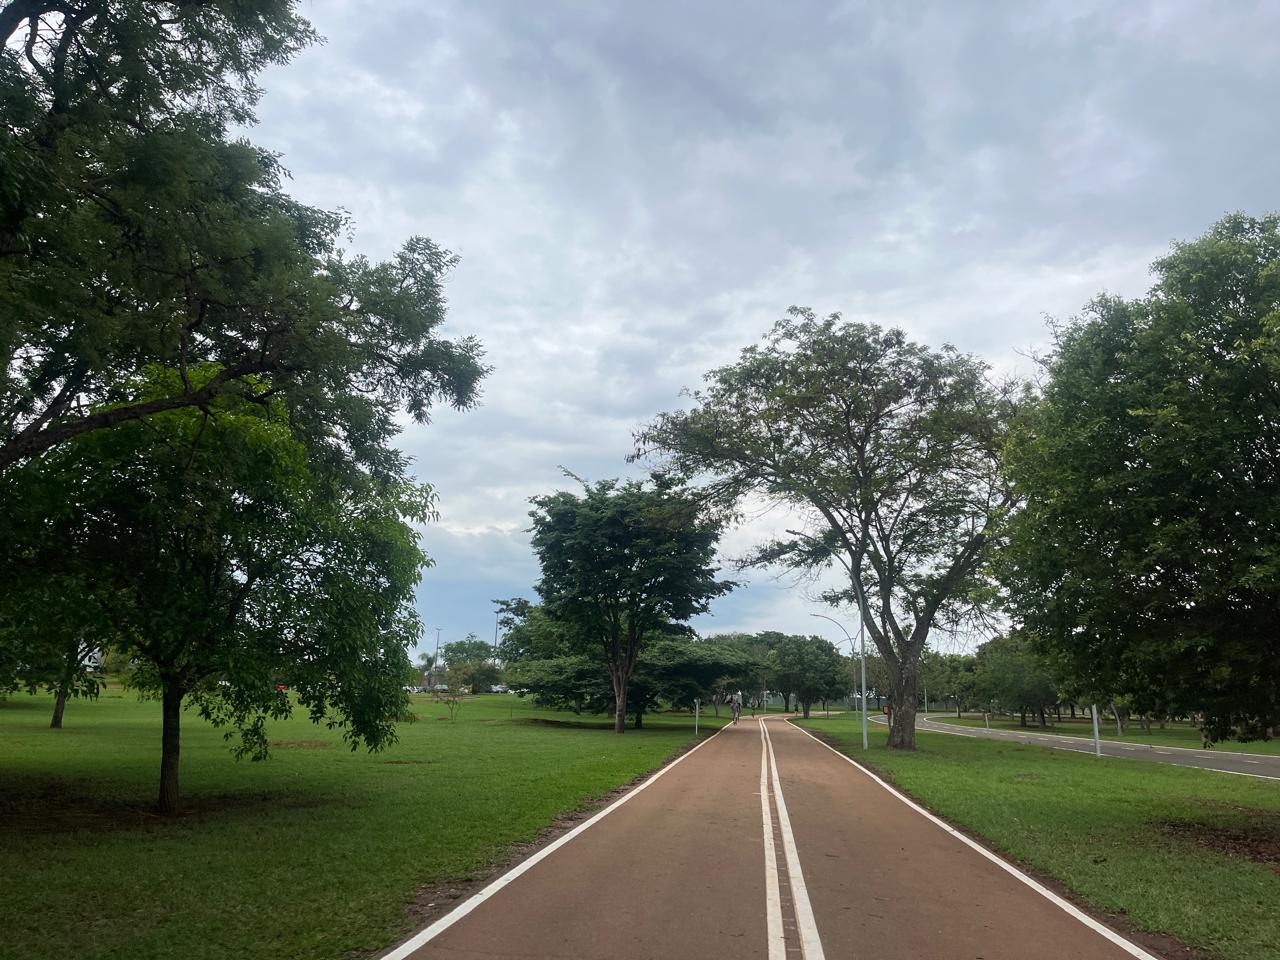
(1173, 735)
(313, 853)
(1141, 839)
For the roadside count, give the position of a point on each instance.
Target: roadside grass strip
(314, 854)
(1174, 850)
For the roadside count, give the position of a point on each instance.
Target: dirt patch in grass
(1255, 836)
(408, 761)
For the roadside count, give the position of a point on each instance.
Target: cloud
(638, 191)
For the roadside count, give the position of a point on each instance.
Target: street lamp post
(862, 657)
(435, 663)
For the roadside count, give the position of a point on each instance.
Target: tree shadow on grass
(36, 806)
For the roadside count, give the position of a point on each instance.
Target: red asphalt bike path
(764, 842)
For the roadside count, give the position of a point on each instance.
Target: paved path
(765, 843)
(1224, 761)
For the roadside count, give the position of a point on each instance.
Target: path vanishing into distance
(763, 842)
(1266, 766)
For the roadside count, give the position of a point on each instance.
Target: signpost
(1097, 740)
(696, 702)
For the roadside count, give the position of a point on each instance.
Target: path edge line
(1065, 905)
(425, 936)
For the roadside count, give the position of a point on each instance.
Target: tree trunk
(1073, 711)
(64, 685)
(786, 703)
(639, 719)
(903, 699)
(1043, 721)
(957, 708)
(804, 706)
(620, 704)
(1023, 721)
(59, 704)
(169, 744)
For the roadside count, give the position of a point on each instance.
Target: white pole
(1097, 740)
(695, 716)
(862, 644)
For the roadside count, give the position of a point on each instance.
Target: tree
(469, 650)
(809, 668)
(1147, 558)
(133, 231)
(1009, 674)
(39, 649)
(890, 453)
(214, 556)
(622, 560)
(949, 676)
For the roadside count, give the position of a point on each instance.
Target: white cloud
(639, 190)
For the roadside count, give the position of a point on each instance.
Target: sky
(637, 191)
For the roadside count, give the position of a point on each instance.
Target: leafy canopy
(889, 453)
(135, 231)
(1147, 558)
(201, 543)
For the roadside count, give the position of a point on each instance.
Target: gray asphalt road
(1223, 761)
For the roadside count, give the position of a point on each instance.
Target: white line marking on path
(810, 942)
(1066, 905)
(457, 913)
(772, 895)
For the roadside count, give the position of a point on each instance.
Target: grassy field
(1177, 850)
(1173, 735)
(311, 854)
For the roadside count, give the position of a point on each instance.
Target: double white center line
(806, 926)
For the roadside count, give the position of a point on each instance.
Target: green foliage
(949, 676)
(810, 669)
(200, 543)
(1147, 559)
(469, 650)
(622, 562)
(1011, 676)
(133, 231)
(890, 452)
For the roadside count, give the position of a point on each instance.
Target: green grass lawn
(313, 853)
(1173, 735)
(1143, 839)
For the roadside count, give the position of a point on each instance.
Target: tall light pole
(862, 657)
(435, 662)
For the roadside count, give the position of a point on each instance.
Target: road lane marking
(772, 897)
(424, 937)
(1108, 746)
(948, 726)
(810, 942)
(1066, 905)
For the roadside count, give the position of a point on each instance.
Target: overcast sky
(637, 190)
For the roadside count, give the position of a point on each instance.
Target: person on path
(736, 702)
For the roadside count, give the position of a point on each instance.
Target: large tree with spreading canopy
(888, 452)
